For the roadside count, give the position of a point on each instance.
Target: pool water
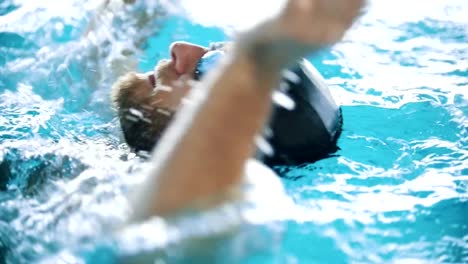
(396, 192)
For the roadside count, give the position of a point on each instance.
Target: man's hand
(302, 27)
(317, 22)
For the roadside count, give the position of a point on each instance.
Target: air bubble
(131, 118)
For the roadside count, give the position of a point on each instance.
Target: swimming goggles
(209, 60)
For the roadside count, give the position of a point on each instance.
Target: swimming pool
(396, 191)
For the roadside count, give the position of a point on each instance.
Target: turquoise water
(395, 193)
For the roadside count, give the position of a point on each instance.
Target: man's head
(146, 103)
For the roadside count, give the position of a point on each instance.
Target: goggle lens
(207, 62)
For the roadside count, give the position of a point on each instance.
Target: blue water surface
(396, 192)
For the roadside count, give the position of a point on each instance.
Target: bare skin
(203, 154)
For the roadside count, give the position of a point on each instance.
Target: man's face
(174, 77)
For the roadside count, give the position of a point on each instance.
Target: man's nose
(185, 56)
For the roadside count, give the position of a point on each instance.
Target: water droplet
(283, 100)
(135, 112)
(291, 76)
(264, 146)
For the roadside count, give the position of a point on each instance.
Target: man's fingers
(345, 9)
(314, 23)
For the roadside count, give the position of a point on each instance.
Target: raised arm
(203, 154)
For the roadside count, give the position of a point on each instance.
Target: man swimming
(305, 123)
(204, 153)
